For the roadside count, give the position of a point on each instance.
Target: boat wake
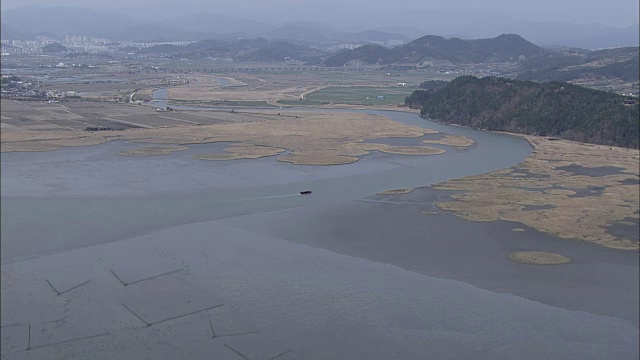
(271, 197)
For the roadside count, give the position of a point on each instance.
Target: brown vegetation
(539, 258)
(412, 150)
(241, 152)
(452, 140)
(538, 181)
(312, 138)
(395, 192)
(152, 150)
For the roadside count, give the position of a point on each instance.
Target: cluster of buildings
(25, 47)
(77, 44)
(13, 87)
(61, 94)
(86, 44)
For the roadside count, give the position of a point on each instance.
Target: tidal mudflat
(573, 190)
(108, 256)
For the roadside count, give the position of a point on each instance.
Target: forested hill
(547, 109)
(258, 49)
(506, 47)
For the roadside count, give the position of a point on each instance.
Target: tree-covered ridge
(506, 47)
(258, 49)
(54, 48)
(433, 84)
(547, 109)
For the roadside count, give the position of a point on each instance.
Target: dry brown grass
(241, 152)
(34, 140)
(412, 150)
(504, 194)
(395, 191)
(153, 150)
(452, 140)
(539, 258)
(312, 138)
(205, 88)
(317, 158)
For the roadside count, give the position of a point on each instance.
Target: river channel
(84, 196)
(167, 257)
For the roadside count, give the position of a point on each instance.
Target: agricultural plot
(356, 95)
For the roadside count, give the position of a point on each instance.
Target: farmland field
(355, 95)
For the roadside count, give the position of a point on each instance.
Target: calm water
(84, 196)
(281, 274)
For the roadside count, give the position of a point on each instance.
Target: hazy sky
(618, 13)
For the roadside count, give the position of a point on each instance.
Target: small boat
(306, 192)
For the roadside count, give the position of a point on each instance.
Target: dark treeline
(546, 109)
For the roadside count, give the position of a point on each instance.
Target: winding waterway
(168, 257)
(84, 196)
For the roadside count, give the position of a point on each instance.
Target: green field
(355, 95)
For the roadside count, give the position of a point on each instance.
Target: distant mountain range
(61, 21)
(217, 24)
(571, 64)
(259, 49)
(25, 22)
(506, 47)
(312, 33)
(10, 33)
(586, 36)
(534, 62)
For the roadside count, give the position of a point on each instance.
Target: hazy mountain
(408, 31)
(9, 33)
(316, 33)
(566, 65)
(464, 24)
(506, 47)
(467, 24)
(218, 24)
(370, 54)
(587, 36)
(259, 49)
(62, 21)
(303, 31)
(377, 36)
(486, 24)
(156, 32)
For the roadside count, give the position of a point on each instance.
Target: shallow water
(226, 258)
(84, 196)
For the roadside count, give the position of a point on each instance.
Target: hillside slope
(620, 63)
(242, 50)
(506, 47)
(547, 109)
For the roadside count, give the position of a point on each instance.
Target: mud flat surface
(107, 256)
(393, 229)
